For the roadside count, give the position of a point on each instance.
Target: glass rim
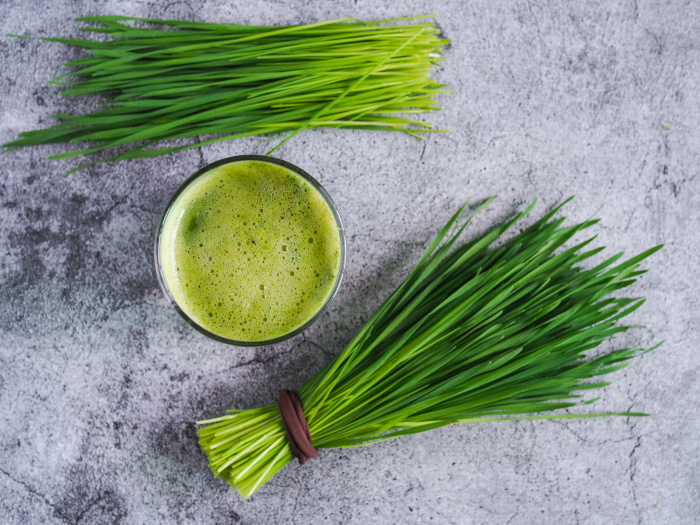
(202, 171)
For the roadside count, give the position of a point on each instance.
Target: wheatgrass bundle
(167, 79)
(475, 333)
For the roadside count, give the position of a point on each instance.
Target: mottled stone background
(101, 381)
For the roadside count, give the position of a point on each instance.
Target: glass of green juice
(250, 250)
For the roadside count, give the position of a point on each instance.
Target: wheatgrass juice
(250, 250)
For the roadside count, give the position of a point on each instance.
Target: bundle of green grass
(475, 333)
(167, 79)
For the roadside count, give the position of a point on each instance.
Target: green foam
(250, 251)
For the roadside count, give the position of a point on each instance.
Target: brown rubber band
(295, 426)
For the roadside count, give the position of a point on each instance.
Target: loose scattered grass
(167, 79)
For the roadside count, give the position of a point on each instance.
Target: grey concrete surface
(101, 381)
